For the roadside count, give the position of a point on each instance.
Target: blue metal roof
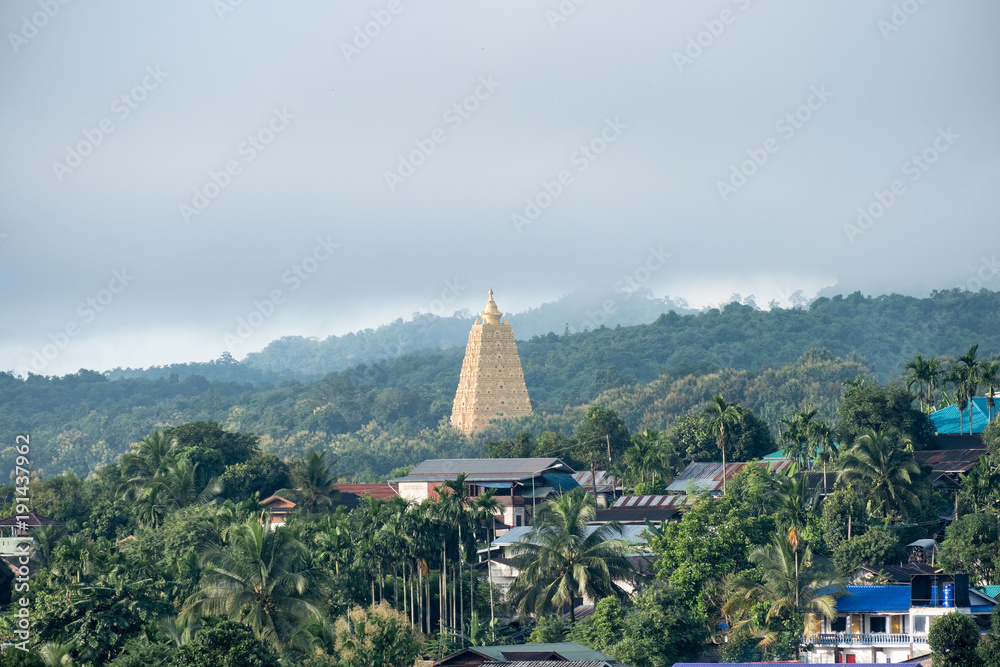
(869, 599)
(775, 664)
(946, 420)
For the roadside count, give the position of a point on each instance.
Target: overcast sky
(167, 169)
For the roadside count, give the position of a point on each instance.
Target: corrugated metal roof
(708, 476)
(651, 501)
(632, 534)
(373, 490)
(991, 591)
(950, 460)
(447, 469)
(946, 420)
(814, 664)
(605, 483)
(870, 599)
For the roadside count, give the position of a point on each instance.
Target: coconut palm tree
(980, 487)
(787, 589)
(796, 504)
(723, 416)
(147, 460)
(259, 578)
(886, 473)
(314, 486)
(179, 486)
(562, 557)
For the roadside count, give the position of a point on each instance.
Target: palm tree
(562, 557)
(934, 374)
(314, 484)
(148, 459)
(795, 503)
(179, 486)
(966, 376)
(824, 438)
(54, 654)
(919, 372)
(261, 579)
(981, 486)
(46, 538)
(723, 417)
(787, 589)
(485, 508)
(644, 459)
(990, 371)
(798, 437)
(885, 472)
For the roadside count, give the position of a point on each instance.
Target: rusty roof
(950, 460)
(605, 483)
(373, 490)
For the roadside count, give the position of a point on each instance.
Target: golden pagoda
(492, 382)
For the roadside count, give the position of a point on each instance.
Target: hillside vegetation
(392, 412)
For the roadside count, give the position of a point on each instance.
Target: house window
(920, 624)
(518, 519)
(876, 624)
(839, 625)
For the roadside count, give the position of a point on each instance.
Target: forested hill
(385, 414)
(311, 358)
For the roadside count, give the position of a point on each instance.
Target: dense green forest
(379, 416)
(163, 560)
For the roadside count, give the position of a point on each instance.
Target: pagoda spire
(491, 314)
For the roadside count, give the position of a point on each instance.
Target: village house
(889, 623)
(520, 485)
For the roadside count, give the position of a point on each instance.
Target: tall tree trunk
(395, 588)
(444, 590)
(489, 565)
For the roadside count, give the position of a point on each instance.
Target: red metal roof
(373, 490)
(278, 503)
